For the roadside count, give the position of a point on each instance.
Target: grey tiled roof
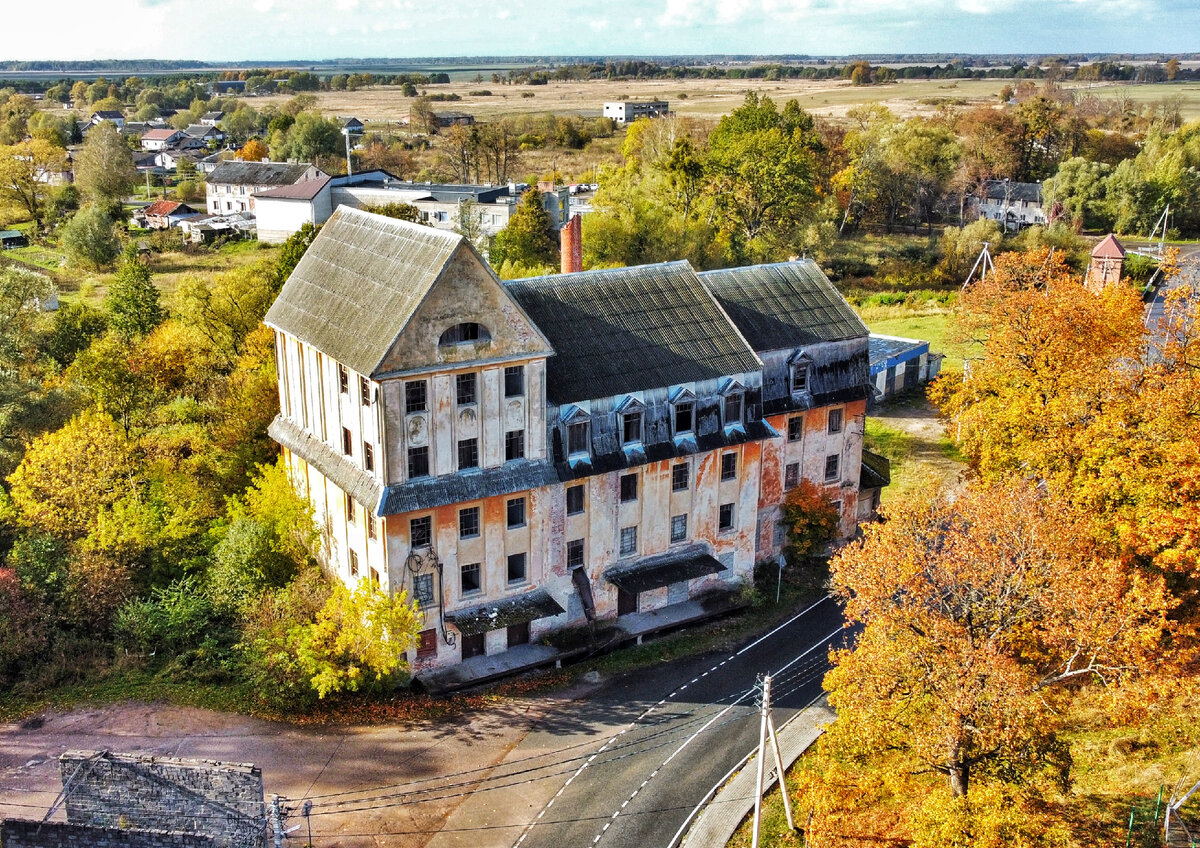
(345, 474)
(498, 615)
(359, 283)
(655, 572)
(236, 172)
(627, 329)
(786, 305)
(999, 189)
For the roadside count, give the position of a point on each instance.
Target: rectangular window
(427, 644)
(374, 578)
(683, 418)
(514, 445)
(416, 397)
(835, 421)
(678, 528)
(628, 541)
(468, 453)
(575, 553)
(725, 519)
(347, 442)
(418, 462)
(795, 428)
(420, 532)
(574, 500)
(423, 590)
(349, 508)
(729, 466)
(353, 563)
(372, 526)
(679, 477)
(733, 409)
(468, 577)
(514, 381)
(516, 568)
(364, 390)
(465, 386)
(799, 378)
(577, 437)
(831, 468)
(791, 475)
(631, 427)
(629, 487)
(343, 379)
(468, 522)
(516, 513)
(368, 457)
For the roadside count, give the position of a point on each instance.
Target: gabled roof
(106, 114)
(167, 207)
(236, 172)
(627, 329)
(785, 305)
(160, 135)
(1109, 248)
(1013, 191)
(303, 190)
(359, 283)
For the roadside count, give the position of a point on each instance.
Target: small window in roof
(468, 331)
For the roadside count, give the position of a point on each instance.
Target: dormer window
(465, 333)
(733, 409)
(799, 373)
(578, 437)
(631, 426)
(685, 417)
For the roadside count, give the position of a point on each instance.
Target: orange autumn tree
(979, 614)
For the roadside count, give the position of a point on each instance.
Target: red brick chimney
(571, 245)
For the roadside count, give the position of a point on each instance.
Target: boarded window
(577, 437)
(347, 442)
(427, 644)
(629, 541)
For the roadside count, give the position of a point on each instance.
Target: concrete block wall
(223, 801)
(18, 833)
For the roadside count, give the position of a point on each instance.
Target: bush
(174, 618)
(90, 238)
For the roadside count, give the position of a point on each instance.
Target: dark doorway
(518, 634)
(474, 646)
(626, 602)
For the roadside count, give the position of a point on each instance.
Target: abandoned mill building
(531, 455)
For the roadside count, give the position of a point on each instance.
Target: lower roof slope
(624, 330)
(785, 305)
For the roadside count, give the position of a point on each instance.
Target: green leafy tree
(132, 302)
(1080, 186)
(528, 239)
(104, 169)
(290, 254)
(24, 168)
(227, 307)
(72, 329)
(399, 211)
(90, 238)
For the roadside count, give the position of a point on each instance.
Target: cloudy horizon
(296, 30)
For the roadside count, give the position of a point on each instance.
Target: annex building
(529, 455)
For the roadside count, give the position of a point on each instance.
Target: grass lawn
(930, 327)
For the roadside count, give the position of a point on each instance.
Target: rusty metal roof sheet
(655, 572)
(497, 615)
(786, 305)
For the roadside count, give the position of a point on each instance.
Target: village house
(525, 456)
(111, 115)
(231, 185)
(1014, 205)
(205, 133)
(161, 139)
(628, 111)
(164, 214)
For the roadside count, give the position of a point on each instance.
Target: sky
(278, 30)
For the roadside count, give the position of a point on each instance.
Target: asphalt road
(629, 765)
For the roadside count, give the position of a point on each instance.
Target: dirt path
(296, 762)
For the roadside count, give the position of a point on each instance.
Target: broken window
(678, 528)
(629, 487)
(795, 428)
(514, 445)
(575, 553)
(831, 468)
(516, 568)
(514, 381)
(725, 519)
(516, 513)
(629, 541)
(835, 421)
(574, 500)
(468, 454)
(423, 590)
(468, 522)
(577, 437)
(729, 466)
(465, 385)
(418, 462)
(415, 396)
(631, 427)
(791, 475)
(684, 417)
(420, 531)
(469, 578)
(679, 477)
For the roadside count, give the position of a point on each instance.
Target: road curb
(721, 816)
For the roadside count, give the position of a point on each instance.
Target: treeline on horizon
(291, 78)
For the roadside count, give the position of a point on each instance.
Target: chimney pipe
(571, 245)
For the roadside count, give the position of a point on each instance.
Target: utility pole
(766, 732)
